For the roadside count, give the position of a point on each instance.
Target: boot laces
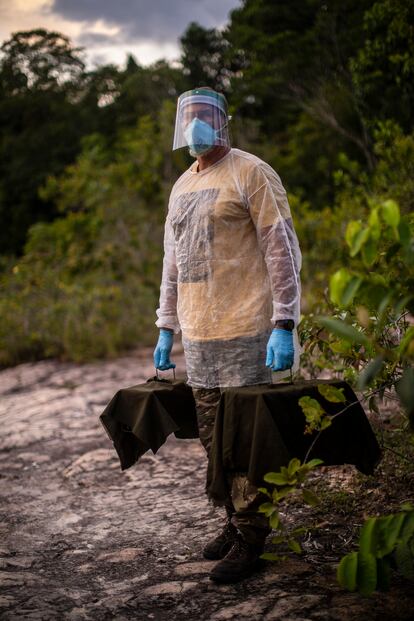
(238, 549)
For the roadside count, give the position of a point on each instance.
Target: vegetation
(384, 542)
(290, 480)
(88, 282)
(303, 81)
(323, 92)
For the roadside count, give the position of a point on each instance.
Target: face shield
(201, 122)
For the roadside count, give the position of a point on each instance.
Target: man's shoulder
(182, 177)
(247, 159)
(251, 162)
(253, 167)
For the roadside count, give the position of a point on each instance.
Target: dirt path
(79, 539)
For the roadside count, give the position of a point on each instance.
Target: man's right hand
(163, 349)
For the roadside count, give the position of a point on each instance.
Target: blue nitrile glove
(163, 349)
(280, 350)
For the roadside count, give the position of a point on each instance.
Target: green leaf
(325, 423)
(283, 470)
(407, 529)
(337, 285)
(370, 252)
(342, 329)
(378, 279)
(294, 465)
(310, 497)
(311, 408)
(366, 573)
(274, 520)
(295, 546)
(359, 241)
(393, 530)
(369, 373)
(368, 538)
(405, 560)
(267, 508)
(406, 340)
(279, 539)
(300, 530)
(353, 228)
(374, 224)
(356, 236)
(264, 491)
(331, 393)
(341, 347)
(383, 523)
(390, 213)
(314, 462)
(270, 556)
(347, 571)
(279, 494)
(350, 291)
(389, 527)
(277, 478)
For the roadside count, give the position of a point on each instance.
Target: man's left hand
(280, 350)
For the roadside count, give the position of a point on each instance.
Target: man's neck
(210, 158)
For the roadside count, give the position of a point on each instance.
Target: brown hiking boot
(242, 560)
(218, 547)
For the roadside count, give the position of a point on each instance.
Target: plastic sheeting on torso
(231, 268)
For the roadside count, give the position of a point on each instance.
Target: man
(231, 284)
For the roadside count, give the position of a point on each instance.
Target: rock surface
(79, 539)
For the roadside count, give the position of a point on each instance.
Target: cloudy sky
(109, 29)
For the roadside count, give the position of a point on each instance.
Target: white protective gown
(230, 270)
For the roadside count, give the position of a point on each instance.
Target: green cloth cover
(258, 428)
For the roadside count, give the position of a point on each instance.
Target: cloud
(156, 20)
(97, 39)
(110, 29)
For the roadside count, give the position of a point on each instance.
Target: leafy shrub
(385, 542)
(88, 283)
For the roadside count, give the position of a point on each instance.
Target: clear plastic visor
(200, 125)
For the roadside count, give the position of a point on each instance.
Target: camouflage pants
(244, 497)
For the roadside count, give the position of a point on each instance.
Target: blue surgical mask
(200, 136)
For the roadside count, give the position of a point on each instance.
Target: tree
(383, 68)
(39, 60)
(204, 57)
(144, 91)
(48, 103)
(297, 59)
(40, 73)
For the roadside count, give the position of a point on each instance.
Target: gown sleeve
(167, 311)
(277, 240)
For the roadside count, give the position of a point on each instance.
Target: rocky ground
(79, 539)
